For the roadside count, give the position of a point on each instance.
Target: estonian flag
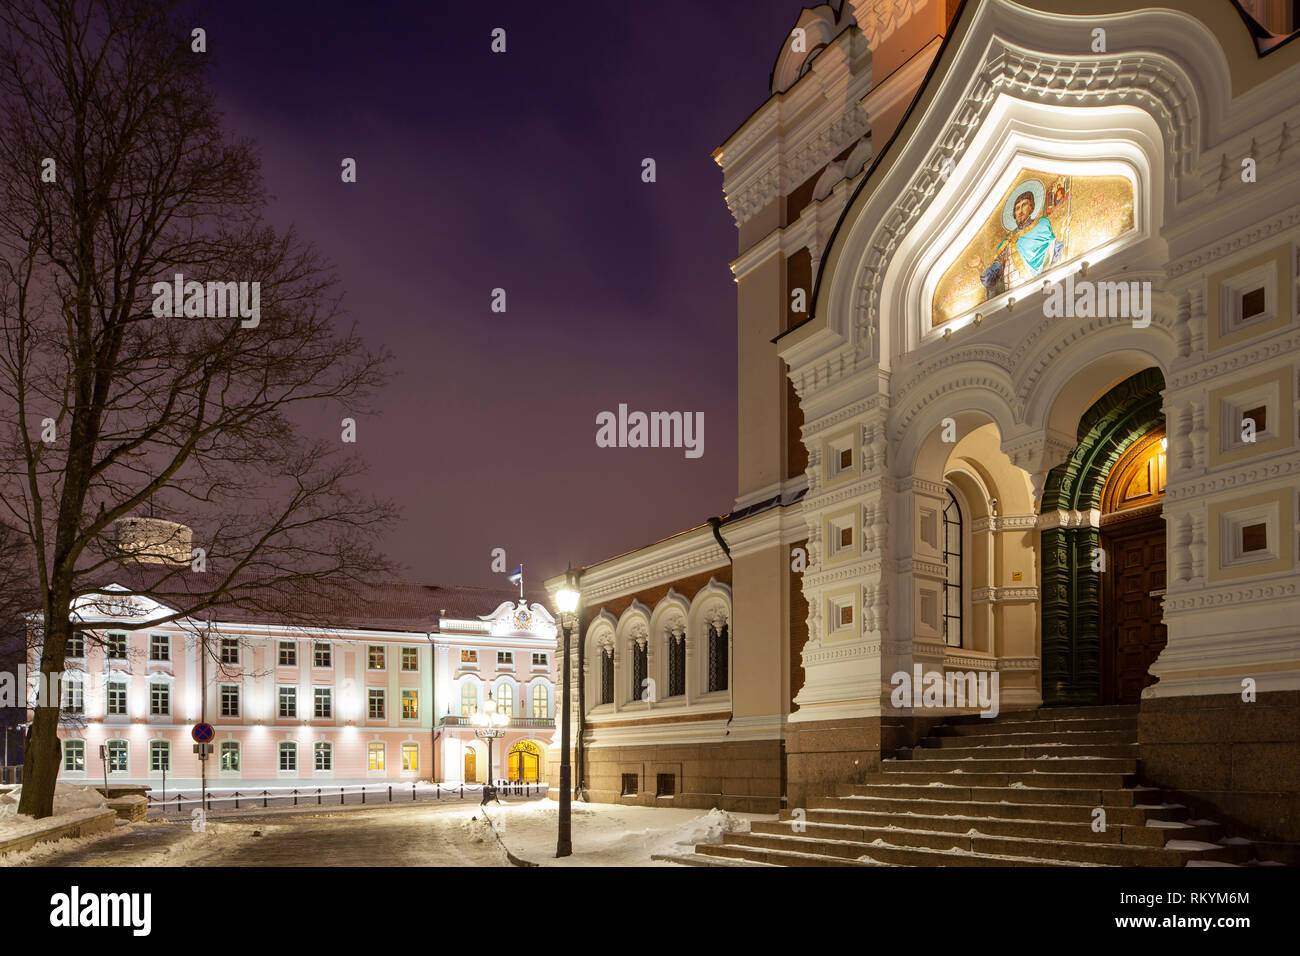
(517, 575)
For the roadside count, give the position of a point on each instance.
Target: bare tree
(118, 175)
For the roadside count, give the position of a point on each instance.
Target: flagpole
(521, 580)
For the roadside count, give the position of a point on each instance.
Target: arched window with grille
(676, 664)
(718, 655)
(541, 701)
(639, 668)
(607, 675)
(468, 699)
(952, 559)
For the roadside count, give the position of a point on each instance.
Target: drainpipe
(716, 524)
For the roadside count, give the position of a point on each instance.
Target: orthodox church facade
(1018, 370)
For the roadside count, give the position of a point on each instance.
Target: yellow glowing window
(410, 704)
(505, 699)
(410, 757)
(376, 755)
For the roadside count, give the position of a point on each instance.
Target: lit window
(117, 756)
(116, 705)
(160, 700)
(505, 698)
(469, 657)
(375, 756)
(375, 657)
(410, 757)
(288, 702)
(410, 658)
(74, 755)
(324, 756)
(376, 709)
(410, 705)
(288, 755)
(160, 755)
(324, 703)
(541, 701)
(229, 756)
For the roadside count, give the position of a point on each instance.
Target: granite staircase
(1020, 789)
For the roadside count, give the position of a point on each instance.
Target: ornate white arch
(667, 623)
(1010, 56)
(711, 605)
(818, 24)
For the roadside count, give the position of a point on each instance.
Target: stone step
(907, 772)
(867, 827)
(898, 845)
(941, 762)
(1077, 739)
(1002, 751)
(799, 851)
(913, 807)
(1051, 714)
(1093, 796)
(1073, 725)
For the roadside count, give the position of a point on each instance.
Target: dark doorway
(1134, 634)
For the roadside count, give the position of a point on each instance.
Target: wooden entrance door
(1133, 634)
(470, 775)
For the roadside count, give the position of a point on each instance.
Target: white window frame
(315, 703)
(286, 747)
(279, 701)
(157, 746)
(221, 701)
(68, 743)
(167, 698)
(110, 688)
(163, 640)
(401, 703)
(415, 654)
(383, 657)
(329, 654)
(227, 746)
(281, 647)
(380, 694)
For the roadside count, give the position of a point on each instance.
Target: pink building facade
(386, 699)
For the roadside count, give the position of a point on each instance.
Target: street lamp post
(489, 725)
(566, 602)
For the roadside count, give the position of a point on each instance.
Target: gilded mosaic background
(1041, 221)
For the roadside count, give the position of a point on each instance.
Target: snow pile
(68, 797)
(708, 828)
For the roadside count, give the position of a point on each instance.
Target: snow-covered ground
(71, 803)
(418, 834)
(611, 835)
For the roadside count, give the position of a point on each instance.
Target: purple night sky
(519, 170)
